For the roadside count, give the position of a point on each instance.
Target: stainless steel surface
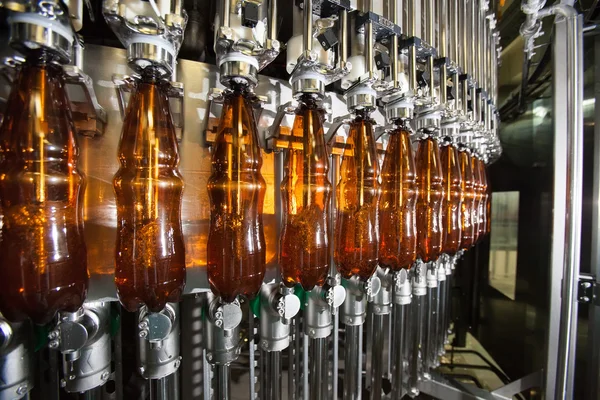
(566, 228)
(158, 352)
(271, 388)
(318, 385)
(353, 362)
(16, 360)
(276, 312)
(377, 363)
(400, 321)
(307, 32)
(166, 388)
(222, 381)
(593, 348)
(84, 340)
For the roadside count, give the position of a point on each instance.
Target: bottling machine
(292, 211)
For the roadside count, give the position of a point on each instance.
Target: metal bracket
(588, 290)
(89, 116)
(126, 83)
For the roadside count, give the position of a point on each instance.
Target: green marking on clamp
(255, 306)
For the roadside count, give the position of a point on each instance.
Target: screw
(143, 334)
(312, 332)
(209, 356)
(53, 335)
(143, 325)
(104, 375)
(142, 370)
(63, 383)
(177, 363)
(22, 390)
(53, 344)
(72, 377)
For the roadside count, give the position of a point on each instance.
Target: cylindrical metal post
(222, 386)
(400, 321)
(343, 37)
(166, 388)
(308, 22)
(353, 362)
(318, 369)
(271, 380)
(377, 355)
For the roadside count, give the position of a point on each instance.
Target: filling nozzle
(278, 305)
(321, 304)
(151, 35)
(222, 334)
(158, 343)
(83, 338)
(358, 293)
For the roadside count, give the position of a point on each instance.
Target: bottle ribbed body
(43, 257)
(150, 250)
(397, 212)
(452, 201)
(356, 233)
(478, 202)
(467, 214)
(429, 200)
(305, 192)
(485, 198)
(236, 189)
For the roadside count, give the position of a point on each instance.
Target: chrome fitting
(418, 279)
(278, 305)
(83, 338)
(402, 288)
(354, 310)
(16, 359)
(222, 331)
(158, 342)
(321, 304)
(383, 299)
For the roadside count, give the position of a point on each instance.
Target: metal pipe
(353, 362)
(369, 48)
(343, 37)
(225, 10)
(318, 370)
(443, 17)
(273, 19)
(271, 380)
(418, 314)
(471, 39)
(308, 26)
(395, 56)
(377, 355)
(400, 322)
(222, 385)
(454, 28)
(464, 58)
(166, 388)
(411, 18)
(568, 174)
(430, 22)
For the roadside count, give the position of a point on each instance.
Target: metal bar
(399, 321)
(377, 356)
(352, 364)
(343, 37)
(307, 388)
(273, 19)
(166, 388)
(530, 381)
(225, 10)
(318, 370)
(568, 174)
(369, 48)
(448, 389)
(336, 340)
(271, 380)
(418, 314)
(395, 57)
(443, 17)
(252, 352)
(222, 386)
(593, 380)
(308, 23)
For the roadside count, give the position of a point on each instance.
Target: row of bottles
(417, 208)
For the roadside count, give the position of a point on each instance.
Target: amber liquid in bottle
(429, 200)
(483, 206)
(356, 244)
(150, 251)
(305, 192)
(236, 188)
(451, 204)
(43, 258)
(488, 204)
(397, 213)
(477, 204)
(467, 213)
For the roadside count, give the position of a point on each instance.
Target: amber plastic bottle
(483, 207)
(397, 213)
(149, 252)
(43, 258)
(305, 192)
(429, 200)
(467, 213)
(236, 240)
(478, 219)
(488, 205)
(356, 244)
(451, 204)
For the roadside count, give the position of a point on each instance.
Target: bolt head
(63, 383)
(105, 375)
(22, 389)
(53, 344)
